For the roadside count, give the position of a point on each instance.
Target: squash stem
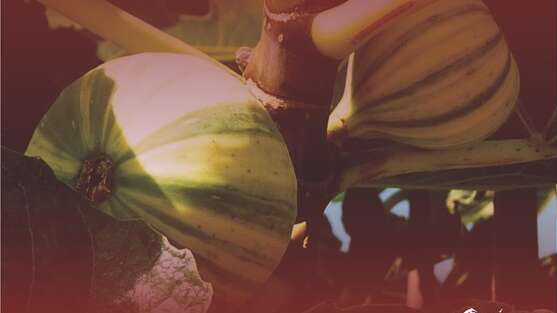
(294, 82)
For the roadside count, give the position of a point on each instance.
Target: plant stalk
(379, 163)
(294, 81)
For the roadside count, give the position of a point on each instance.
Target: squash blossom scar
(95, 178)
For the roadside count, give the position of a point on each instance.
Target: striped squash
(175, 141)
(440, 76)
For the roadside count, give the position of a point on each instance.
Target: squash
(439, 76)
(180, 143)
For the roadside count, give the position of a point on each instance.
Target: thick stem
(286, 64)
(295, 83)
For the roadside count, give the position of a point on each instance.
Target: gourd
(178, 142)
(439, 76)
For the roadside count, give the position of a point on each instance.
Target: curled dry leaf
(162, 289)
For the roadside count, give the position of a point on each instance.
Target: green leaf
(338, 198)
(228, 26)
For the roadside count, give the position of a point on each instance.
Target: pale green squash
(194, 155)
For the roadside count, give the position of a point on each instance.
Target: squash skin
(195, 156)
(441, 76)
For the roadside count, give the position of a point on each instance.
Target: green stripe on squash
(194, 155)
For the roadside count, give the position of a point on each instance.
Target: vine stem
(397, 160)
(125, 30)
